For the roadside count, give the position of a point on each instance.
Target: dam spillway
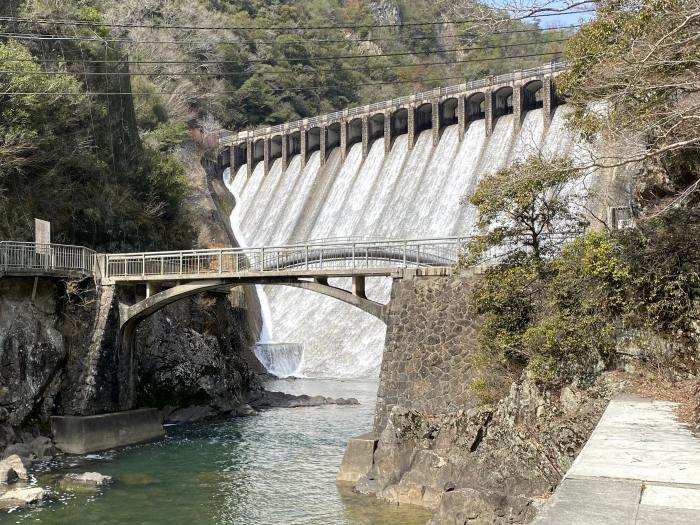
(402, 192)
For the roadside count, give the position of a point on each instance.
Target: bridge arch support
(131, 315)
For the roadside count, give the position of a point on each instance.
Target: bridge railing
(33, 258)
(328, 255)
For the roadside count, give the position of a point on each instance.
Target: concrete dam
(396, 169)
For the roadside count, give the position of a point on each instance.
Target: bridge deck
(327, 259)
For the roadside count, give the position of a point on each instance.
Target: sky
(563, 19)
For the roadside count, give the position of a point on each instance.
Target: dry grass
(650, 386)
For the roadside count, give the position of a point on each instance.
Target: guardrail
(33, 258)
(378, 106)
(327, 255)
(316, 256)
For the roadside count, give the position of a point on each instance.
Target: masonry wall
(431, 342)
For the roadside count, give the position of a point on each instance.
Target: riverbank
(276, 467)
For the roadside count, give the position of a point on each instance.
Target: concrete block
(358, 458)
(591, 502)
(84, 434)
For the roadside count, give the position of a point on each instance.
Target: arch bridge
(166, 277)
(488, 99)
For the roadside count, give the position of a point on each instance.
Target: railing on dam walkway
(50, 259)
(227, 137)
(317, 256)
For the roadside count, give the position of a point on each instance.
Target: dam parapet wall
(512, 93)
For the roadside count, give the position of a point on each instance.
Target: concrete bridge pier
(461, 117)
(304, 148)
(358, 286)
(436, 122)
(249, 157)
(365, 136)
(387, 132)
(489, 107)
(285, 151)
(343, 139)
(152, 288)
(322, 144)
(518, 113)
(411, 127)
(266, 156)
(548, 100)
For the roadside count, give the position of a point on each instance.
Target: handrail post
(405, 243)
(143, 265)
(162, 264)
(353, 256)
(221, 261)
(262, 259)
(180, 263)
(307, 256)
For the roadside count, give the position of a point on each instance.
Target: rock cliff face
(487, 464)
(192, 353)
(58, 341)
(439, 445)
(32, 350)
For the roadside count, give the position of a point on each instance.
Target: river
(277, 467)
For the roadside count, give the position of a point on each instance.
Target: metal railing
(316, 257)
(552, 67)
(327, 255)
(33, 258)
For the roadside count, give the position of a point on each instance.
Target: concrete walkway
(640, 466)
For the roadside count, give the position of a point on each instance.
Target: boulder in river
(89, 479)
(269, 399)
(190, 414)
(22, 497)
(12, 468)
(243, 411)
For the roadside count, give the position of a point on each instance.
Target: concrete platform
(640, 466)
(358, 458)
(85, 434)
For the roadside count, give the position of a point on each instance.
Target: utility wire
(39, 36)
(304, 88)
(294, 59)
(281, 28)
(224, 74)
(221, 74)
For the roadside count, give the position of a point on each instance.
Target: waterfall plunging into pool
(405, 193)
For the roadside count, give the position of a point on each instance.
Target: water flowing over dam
(401, 194)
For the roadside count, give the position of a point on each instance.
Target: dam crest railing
(225, 136)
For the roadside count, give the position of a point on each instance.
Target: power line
(278, 28)
(223, 74)
(284, 59)
(40, 37)
(305, 88)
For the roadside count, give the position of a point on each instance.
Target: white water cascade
(403, 194)
(266, 331)
(281, 359)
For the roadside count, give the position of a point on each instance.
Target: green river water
(277, 467)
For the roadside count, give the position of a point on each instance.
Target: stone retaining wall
(431, 340)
